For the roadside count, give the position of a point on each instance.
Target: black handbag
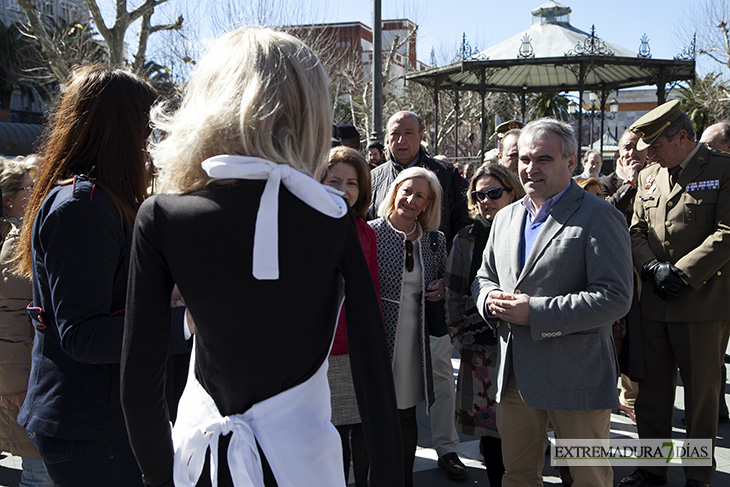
(435, 311)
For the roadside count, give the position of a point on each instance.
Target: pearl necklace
(415, 225)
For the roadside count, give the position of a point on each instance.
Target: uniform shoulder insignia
(718, 152)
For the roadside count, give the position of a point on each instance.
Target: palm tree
(706, 101)
(547, 104)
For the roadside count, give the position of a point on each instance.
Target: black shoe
(642, 478)
(453, 468)
(566, 479)
(696, 483)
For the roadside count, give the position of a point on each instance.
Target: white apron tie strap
(322, 198)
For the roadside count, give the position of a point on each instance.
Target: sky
(488, 22)
(443, 22)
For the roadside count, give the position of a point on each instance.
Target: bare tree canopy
(113, 37)
(707, 25)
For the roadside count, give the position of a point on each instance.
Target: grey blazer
(579, 277)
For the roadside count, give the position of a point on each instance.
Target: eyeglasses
(409, 256)
(492, 194)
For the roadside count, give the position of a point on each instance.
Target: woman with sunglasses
(408, 268)
(492, 188)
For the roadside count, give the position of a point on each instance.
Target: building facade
(353, 42)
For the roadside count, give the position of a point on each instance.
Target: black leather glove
(667, 279)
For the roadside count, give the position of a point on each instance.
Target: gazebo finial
(644, 49)
(551, 13)
(466, 50)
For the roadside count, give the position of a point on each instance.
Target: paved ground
(427, 473)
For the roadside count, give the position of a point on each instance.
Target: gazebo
(552, 55)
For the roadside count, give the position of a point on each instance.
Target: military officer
(680, 236)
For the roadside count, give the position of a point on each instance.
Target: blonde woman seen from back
(262, 254)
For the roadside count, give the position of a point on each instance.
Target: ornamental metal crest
(689, 52)
(466, 50)
(591, 46)
(644, 49)
(526, 50)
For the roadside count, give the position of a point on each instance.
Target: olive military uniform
(686, 224)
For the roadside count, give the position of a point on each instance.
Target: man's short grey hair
(543, 127)
(509, 133)
(724, 130)
(682, 123)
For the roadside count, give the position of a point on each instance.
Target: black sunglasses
(492, 194)
(409, 256)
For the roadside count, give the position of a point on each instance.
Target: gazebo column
(456, 123)
(436, 88)
(482, 93)
(661, 86)
(581, 88)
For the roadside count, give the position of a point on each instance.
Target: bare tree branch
(56, 64)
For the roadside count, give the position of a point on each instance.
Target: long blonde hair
(256, 93)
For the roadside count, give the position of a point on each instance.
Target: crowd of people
(277, 311)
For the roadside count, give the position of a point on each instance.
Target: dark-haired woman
(346, 170)
(75, 246)
(492, 188)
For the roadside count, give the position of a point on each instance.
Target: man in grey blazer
(556, 274)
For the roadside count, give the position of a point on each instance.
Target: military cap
(651, 125)
(345, 131)
(505, 127)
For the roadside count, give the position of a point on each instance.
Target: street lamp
(593, 98)
(613, 110)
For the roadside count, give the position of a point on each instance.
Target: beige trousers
(524, 439)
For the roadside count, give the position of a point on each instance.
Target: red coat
(370, 249)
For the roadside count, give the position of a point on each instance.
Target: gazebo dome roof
(552, 55)
(550, 35)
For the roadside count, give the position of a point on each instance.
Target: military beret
(651, 125)
(505, 127)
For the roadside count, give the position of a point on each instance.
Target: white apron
(293, 428)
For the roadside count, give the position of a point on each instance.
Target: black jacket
(454, 212)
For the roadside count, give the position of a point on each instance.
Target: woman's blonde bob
(257, 92)
(430, 219)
